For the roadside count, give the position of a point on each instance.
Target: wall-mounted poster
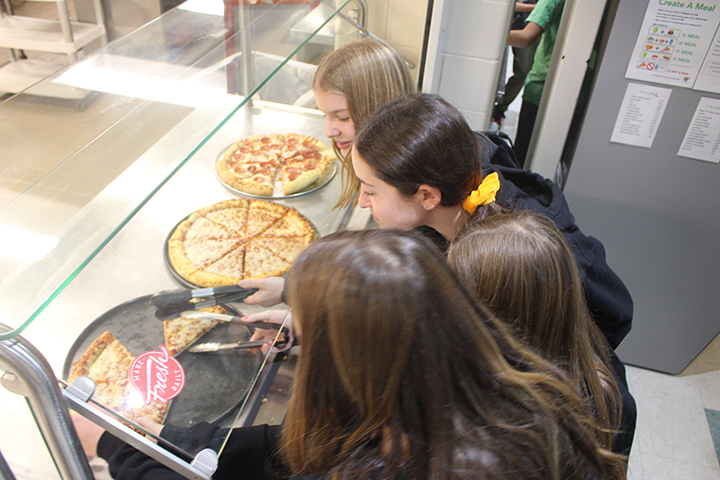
(709, 78)
(673, 41)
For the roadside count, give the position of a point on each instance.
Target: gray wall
(657, 214)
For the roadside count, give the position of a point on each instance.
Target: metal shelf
(61, 36)
(43, 35)
(22, 74)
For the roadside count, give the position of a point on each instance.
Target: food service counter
(133, 265)
(131, 163)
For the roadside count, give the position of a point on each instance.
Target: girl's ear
(429, 196)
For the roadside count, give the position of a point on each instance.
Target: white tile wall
(401, 23)
(468, 83)
(475, 28)
(470, 55)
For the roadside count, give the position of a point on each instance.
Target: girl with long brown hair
(520, 266)
(403, 375)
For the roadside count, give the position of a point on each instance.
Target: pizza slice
(181, 332)
(261, 262)
(261, 216)
(270, 145)
(231, 215)
(294, 143)
(252, 163)
(229, 269)
(285, 248)
(293, 224)
(210, 251)
(200, 228)
(107, 362)
(260, 183)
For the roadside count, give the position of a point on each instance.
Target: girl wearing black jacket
(403, 375)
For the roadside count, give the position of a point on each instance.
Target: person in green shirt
(522, 62)
(543, 22)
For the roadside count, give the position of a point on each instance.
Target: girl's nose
(363, 201)
(330, 129)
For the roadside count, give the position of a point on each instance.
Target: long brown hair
(369, 73)
(403, 374)
(521, 267)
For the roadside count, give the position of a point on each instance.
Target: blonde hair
(521, 267)
(403, 374)
(369, 73)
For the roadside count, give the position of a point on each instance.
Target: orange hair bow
(484, 194)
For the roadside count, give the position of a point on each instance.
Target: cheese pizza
(237, 239)
(107, 362)
(181, 332)
(253, 164)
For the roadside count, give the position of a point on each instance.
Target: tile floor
(673, 439)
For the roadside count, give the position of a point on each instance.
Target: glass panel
(102, 160)
(84, 150)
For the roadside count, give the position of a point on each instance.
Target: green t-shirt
(546, 14)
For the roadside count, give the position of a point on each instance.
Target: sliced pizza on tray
(182, 332)
(107, 362)
(236, 239)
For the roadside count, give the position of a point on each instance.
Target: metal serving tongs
(216, 347)
(172, 302)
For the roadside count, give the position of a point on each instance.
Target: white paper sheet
(709, 78)
(702, 139)
(640, 114)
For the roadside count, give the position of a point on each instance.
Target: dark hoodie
(609, 300)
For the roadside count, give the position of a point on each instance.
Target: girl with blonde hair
(520, 266)
(350, 84)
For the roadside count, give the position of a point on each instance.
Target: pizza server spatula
(233, 318)
(173, 302)
(171, 297)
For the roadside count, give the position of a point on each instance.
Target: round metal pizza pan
(179, 278)
(215, 383)
(166, 258)
(321, 182)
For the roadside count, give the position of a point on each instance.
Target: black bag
(518, 21)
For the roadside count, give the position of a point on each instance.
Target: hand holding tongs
(172, 302)
(214, 346)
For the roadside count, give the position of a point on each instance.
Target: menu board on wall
(673, 42)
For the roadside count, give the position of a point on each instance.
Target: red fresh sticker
(157, 376)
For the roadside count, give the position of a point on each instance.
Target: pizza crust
(182, 332)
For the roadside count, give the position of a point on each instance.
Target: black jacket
(609, 300)
(247, 451)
